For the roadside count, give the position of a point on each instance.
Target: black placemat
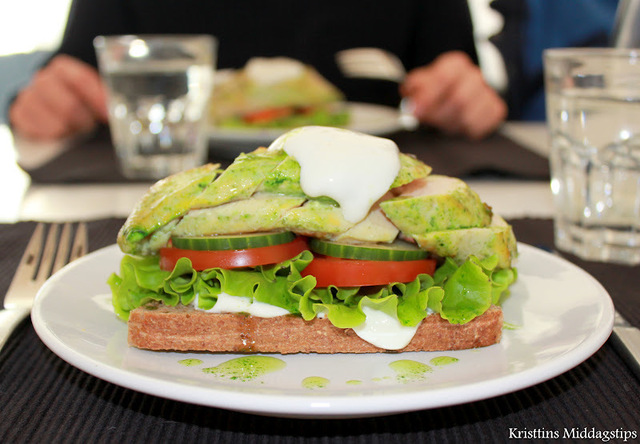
(92, 159)
(44, 399)
(89, 159)
(496, 155)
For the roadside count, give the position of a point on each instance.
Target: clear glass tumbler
(593, 115)
(158, 90)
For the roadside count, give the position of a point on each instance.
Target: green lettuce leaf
(414, 300)
(467, 294)
(140, 281)
(471, 288)
(457, 293)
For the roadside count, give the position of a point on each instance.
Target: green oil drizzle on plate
(315, 382)
(380, 379)
(246, 368)
(190, 362)
(510, 326)
(439, 361)
(408, 370)
(354, 382)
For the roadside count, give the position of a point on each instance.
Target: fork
(376, 63)
(41, 259)
(372, 63)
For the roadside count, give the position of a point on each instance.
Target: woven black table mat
(92, 160)
(44, 399)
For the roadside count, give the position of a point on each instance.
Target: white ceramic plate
(377, 120)
(557, 316)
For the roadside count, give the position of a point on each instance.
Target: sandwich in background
(276, 92)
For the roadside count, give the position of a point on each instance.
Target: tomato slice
(359, 273)
(250, 257)
(268, 115)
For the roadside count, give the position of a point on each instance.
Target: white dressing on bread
(379, 328)
(331, 164)
(240, 304)
(383, 330)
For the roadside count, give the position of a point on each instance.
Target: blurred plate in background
(377, 120)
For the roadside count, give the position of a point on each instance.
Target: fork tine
(29, 261)
(48, 254)
(80, 242)
(64, 245)
(68, 251)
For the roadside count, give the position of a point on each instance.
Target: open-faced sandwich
(276, 92)
(328, 241)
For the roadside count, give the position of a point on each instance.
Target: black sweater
(311, 31)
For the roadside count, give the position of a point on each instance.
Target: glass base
(157, 167)
(602, 244)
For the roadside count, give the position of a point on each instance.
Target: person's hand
(451, 94)
(64, 98)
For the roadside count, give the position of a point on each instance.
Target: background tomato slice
(268, 115)
(356, 273)
(250, 257)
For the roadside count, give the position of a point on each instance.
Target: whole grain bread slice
(156, 326)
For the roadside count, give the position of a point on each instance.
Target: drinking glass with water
(593, 115)
(158, 90)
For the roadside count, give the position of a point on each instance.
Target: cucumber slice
(232, 241)
(396, 251)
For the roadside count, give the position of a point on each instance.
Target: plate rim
(331, 406)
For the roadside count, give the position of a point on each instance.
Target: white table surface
(20, 200)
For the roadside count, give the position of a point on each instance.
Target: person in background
(433, 39)
(530, 27)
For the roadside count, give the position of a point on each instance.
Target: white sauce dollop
(383, 330)
(269, 71)
(240, 304)
(352, 168)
